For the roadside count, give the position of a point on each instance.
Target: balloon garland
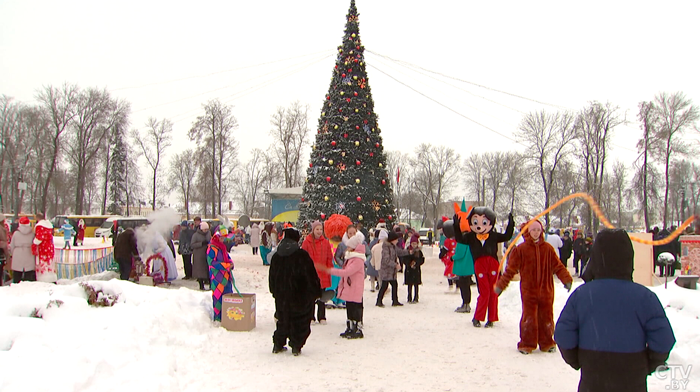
(157, 256)
(599, 213)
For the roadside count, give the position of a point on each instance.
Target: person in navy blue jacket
(613, 329)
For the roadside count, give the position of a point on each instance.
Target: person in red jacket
(318, 247)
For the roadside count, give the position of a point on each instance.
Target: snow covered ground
(162, 339)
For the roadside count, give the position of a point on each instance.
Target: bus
(92, 223)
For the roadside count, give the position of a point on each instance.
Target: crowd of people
(307, 270)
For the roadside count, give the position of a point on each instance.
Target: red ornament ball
(359, 198)
(311, 165)
(347, 99)
(357, 127)
(371, 154)
(383, 182)
(357, 163)
(333, 143)
(377, 145)
(355, 93)
(328, 179)
(350, 70)
(340, 110)
(328, 97)
(358, 47)
(343, 75)
(390, 218)
(323, 216)
(345, 135)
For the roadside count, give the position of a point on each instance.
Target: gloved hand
(498, 291)
(567, 286)
(443, 252)
(510, 216)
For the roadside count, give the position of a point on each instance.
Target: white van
(130, 222)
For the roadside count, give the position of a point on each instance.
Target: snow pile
(161, 339)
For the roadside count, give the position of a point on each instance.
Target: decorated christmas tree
(347, 173)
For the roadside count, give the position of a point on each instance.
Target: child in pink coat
(352, 285)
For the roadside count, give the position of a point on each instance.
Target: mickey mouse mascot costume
(474, 228)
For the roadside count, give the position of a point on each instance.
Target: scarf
(216, 242)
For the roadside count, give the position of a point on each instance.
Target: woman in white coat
(255, 238)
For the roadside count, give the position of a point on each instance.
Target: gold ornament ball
(346, 63)
(342, 153)
(342, 93)
(323, 113)
(357, 143)
(357, 110)
(340, 50)
(380, 165)
(330, 161)
(355, 77)
(359, 217)
(325, 198)
(335, 127)
(353, 35)
(357, 180)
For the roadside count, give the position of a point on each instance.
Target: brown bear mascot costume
(475, 229)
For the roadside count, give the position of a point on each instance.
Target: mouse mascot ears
(463, 217)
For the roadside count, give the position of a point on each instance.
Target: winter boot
(380, 304)
(278, 349)
(462, 309)
(489, 324)
(348, 330)
(296, 351)
(356, 331)
(397, 304)
(552, 349)
(476, 323)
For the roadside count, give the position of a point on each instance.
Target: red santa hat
(24, 221)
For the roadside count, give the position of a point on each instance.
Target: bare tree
(495, 168)
(674, 114)
(95, 115)
(436, 169)
(290, 132)
(181, 175)
(153, 146)
(548, 137)
(60, 104)
(249, 182)
(594, 127)
(618, 185)
(645, 186)
(476, 177)
(399, 169)
(516, 181)
(647, 116)
(213, 133)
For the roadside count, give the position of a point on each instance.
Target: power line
(218, 72)
(458, 88)
(477, 109)
(466, 81)
(257, 87)
(447, 107)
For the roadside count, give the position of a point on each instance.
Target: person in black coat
(579, 250)
(125, 250)
(612, 329)
(412, 273)
(566, 249)
(295, 286)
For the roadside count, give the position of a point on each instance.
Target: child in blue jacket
(68, 231)
(612, 329)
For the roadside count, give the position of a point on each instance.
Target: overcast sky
(168, 58)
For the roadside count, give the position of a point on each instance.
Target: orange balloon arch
(599, 213)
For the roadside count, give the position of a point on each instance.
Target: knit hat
(184, 223)
(291, 233)
(392, 236)
(24, 221)
(414, 238)
(383, 234)
(204, 226)
(316, 223)
(355, 240)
